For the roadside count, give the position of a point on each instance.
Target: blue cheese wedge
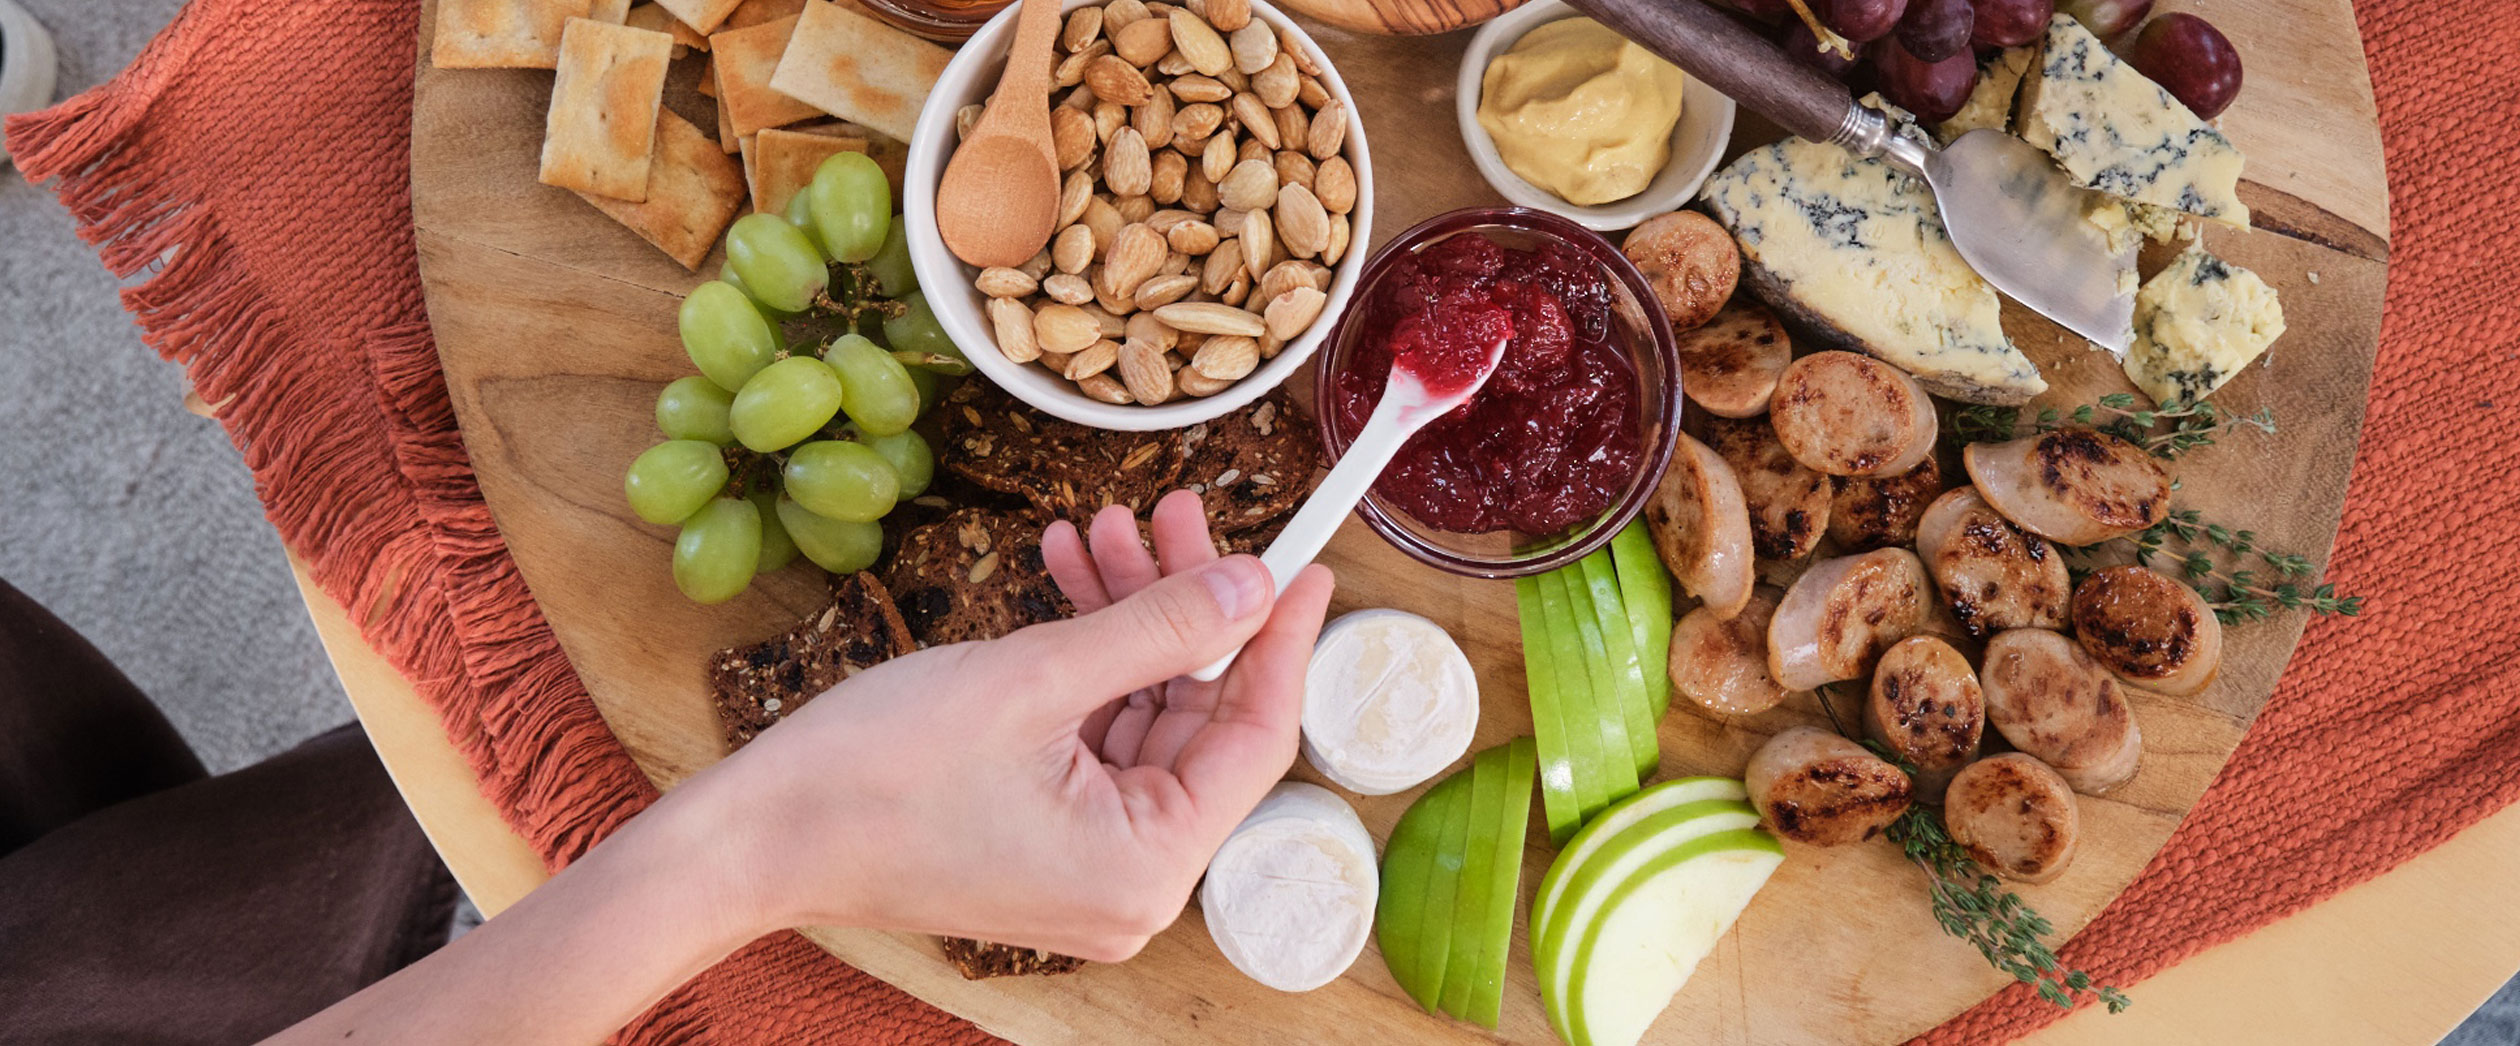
(1855, 251)
(1290, 895)
(1990, 103)
(2116, 131)
(2196, 324)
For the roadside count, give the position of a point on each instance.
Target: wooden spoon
(1000, 192)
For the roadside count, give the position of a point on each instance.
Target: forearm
(654, 905)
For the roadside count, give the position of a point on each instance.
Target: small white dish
(960, 307)
(1697, 141)
(27, 65)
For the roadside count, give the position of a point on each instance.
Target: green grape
(802, 216)
(916, 330)
(891, 265)
(842, 480)
(777, 548)
(695, 408)
(719, 546)
(852, 205)
(931, 385)
(727, 338)
(839, 546)
(778, 264)
(913, 464)
(875, 390)
(671, 480)
(785, 403)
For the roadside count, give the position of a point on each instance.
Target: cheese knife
(2010, 210)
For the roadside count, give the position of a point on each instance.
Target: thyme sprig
(2191, 425)
(1974, 907)
(2197, 549)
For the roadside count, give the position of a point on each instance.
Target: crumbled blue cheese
(2196, 324)
(2116, 131)
(1990, 103)
(2126, 222)
(1858, 249)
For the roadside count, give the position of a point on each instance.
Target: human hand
(1060, 788)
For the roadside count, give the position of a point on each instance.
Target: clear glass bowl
(944, 21)
(1640, 329)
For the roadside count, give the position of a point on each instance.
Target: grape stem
(853, 292)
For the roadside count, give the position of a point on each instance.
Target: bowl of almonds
(1215, 205)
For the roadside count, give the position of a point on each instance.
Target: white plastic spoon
(1407, 405)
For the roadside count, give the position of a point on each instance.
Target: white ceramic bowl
(1697, 141)
(960, 308)
(27, 65)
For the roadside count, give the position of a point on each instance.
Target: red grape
(2107, 18)
(2191, 59)
(2010, 23)
(1761, 8)
(1936, 29)
(1863, 20)
(1803, 46)
(1932, 90)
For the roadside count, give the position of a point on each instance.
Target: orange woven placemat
(255, 157)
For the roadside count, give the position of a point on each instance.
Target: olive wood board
(556, 329)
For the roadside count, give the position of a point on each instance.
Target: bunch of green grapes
(816, 354)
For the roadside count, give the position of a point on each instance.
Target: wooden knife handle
(1707, 45)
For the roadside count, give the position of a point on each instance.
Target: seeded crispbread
(1253, 465)
(757, 685)
(600, 134)
(978, 960)
(976, 574)
(1065, 469)
(502, 34)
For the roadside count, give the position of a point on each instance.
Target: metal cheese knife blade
(2009, 209)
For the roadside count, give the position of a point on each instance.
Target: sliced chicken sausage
(1869, 512)
(1690, 261)
(2071, 486)
(1701, 528)
(1789, 504)
(2051, 700)
(1816, 787)
(1927, 708)
(2148, 629)
(1991, 573)
(1848, 414)
(1730, 365)
(2015, 816)
(1842, 613)
(1721, 663)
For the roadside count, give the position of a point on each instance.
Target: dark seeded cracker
(1253, 465)
(976, 574)
(978, 960)
(757, 685)
(1065, 469)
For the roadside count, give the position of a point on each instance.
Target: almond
(1255, 119)
(1013, 323)
(1141, 43)
(1228, 221)
(1310, 92)
(1198, 43)
(1127, 167)
(1251, 185)
(1294, 168)
(1255, 46)
(1105, 388)
(1271, 345)
(1228, 16)
(1292, 127)
(1115, 80)
(1173, 64)
(1191, 237)
(1252, 149)
(1071, 70)
(1069, 288)
(1291, 312)
(1134, 208)
(1198, 120)
(1281, 278)
(1105, 220)
(966, 118)
(1259, 240)
(1161, 290)
(1154, 119)
(1334, 184)
(1164, 182)
(1135, 255)
(1287, 44)
(1142, 369)
(1038, 265)
(1118, 13)
(1238, 292)
(1175, 263)
(1114, 323)
(1084, 26)
(1276, 86)
(1227, 357)
(1073, 249)
(1109, 117)
(1189, 382)
(1216, 161)
(1329, 130)
(1196, 88)
(1097, 358)
(1163, 221)
(1080, 98)
(998, 281)
(1144, 327)
(1071, 137)
(1198, 192)
(1212, 318)
(1060, 327)
(1223, 264)
(1301, 223)
(1337, 247)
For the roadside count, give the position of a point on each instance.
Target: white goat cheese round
(1389, 701)
(1290, 895)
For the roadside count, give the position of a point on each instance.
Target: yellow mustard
(1581, 111)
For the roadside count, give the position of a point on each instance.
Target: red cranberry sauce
(1551, 439)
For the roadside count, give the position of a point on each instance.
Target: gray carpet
(135, 521)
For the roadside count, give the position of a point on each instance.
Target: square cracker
(781, 162)
(615, 11)
(856, 68)
(602, 125)
(501, 34)
(890, 153)
(656, 17)
(745, 59)
(727, 142)
(702, 16)
(755, 12)
(693, 192)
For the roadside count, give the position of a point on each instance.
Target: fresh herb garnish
(1974, 906)
(2278, 581)
(2191, 425)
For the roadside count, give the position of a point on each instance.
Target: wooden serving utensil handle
(1028, 55)
(1707, 45)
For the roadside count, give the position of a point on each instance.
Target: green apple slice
(1605, 870)
(1401, 926)
(1600, 732)
(1600, 585)
(1438, 923)
(1560, 805)
(1645, 596)
(1652, 800)
(1654, 930)
(1487, 990)
(1478, 878)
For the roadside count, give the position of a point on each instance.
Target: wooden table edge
(2386, 961)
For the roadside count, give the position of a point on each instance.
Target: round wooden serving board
(556, 328)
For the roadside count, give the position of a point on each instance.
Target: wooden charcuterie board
(556, 328)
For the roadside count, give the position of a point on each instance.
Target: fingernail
(1239, 583)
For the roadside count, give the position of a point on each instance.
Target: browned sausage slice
(1848, 414)
(2149, 629)
(1789, 504)
(1992, 574)
(1926, 707)
(2051, 700)
(2071, 486)
(2015, 816)
(1870, 512)
(1816, 787)
(1701, 528)
(1690, 261)
(1721, 663)
(1842, 613)
(1730, 365)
